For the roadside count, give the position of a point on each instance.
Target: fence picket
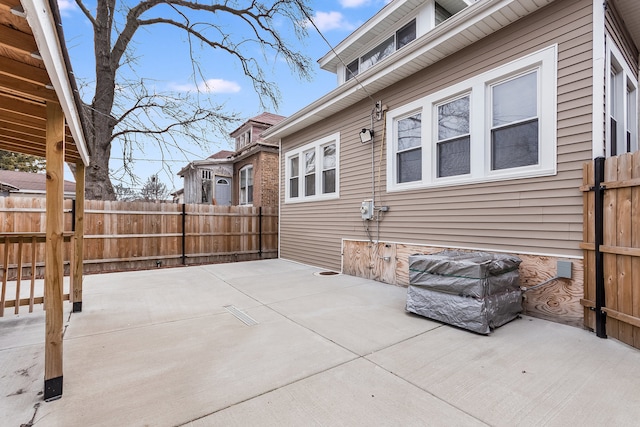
(620, 248)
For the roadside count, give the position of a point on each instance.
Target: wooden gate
(611, 246)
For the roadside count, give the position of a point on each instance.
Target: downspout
(601, 316)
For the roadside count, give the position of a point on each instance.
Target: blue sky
(162, 58)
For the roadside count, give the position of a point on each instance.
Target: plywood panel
(558, 301)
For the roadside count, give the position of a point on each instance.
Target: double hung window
(397, 40)
(246, 185)
(500, 124)
(312, 171)
(453, 140)
(622, 100)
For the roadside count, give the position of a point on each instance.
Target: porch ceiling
(630, 13)
(26, 86)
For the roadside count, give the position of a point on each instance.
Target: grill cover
(477, 291)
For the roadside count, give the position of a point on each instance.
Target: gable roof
(29, 182)
(456, 33)
(222, 154)
(265, 118)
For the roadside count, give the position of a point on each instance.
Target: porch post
(54, 267)
(78, 238)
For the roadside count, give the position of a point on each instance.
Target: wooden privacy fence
(130, 236)
(612, 247)
(139, 235)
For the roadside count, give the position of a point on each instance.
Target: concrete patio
(164, 348)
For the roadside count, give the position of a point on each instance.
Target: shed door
(223, 191)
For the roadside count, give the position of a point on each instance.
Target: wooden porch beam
(54, 267)
(17, 40)
(78, 238)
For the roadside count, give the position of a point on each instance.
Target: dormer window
(352, 69)
(243, 140)
(442, 14)
(400, 38)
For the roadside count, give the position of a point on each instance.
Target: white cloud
(66, 5)
(326, 21)
(354, 3)
(209, 86)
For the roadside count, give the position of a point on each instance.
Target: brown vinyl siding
(540, 215)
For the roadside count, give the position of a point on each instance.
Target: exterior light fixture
(366, 135)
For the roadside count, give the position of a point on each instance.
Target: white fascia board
(352, 91)
(42, 23)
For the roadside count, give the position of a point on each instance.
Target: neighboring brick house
(246, 176)
(255, 163)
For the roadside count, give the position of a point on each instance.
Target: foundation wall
(557, 301)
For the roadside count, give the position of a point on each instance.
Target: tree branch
(86, 12)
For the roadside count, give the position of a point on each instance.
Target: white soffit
(463, 29)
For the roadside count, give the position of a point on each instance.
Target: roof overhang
(629, 10)
(35, 70)
(384, 21)
(461, 30)
(204, 163)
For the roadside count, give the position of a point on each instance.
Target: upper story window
(498, 125)
(243, 140)
(246, 185)
(442, 14)
(622, 133)
(399, 39)
(312, 171)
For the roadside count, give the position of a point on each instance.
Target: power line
(153, 160)
(335, 53)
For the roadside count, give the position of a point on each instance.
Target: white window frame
(246, 169)
(479, 90)
(626, 104)
(346, 75)
(318, 146)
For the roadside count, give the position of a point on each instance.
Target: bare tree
(124, 194)
(154, 190)
(128, 111)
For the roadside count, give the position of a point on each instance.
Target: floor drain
(241, 315)
(327, 273)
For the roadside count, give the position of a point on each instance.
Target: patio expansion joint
(447, 403)
(444, 401)
(272, 390)
(149, 325)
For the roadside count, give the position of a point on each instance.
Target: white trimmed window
(622, 106)
(397, 40)
(312, 171)
(498, 125)
(246, 185)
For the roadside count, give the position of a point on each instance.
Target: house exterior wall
(193, 181)
(265, 178)
(541, 215)
(616, 31)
